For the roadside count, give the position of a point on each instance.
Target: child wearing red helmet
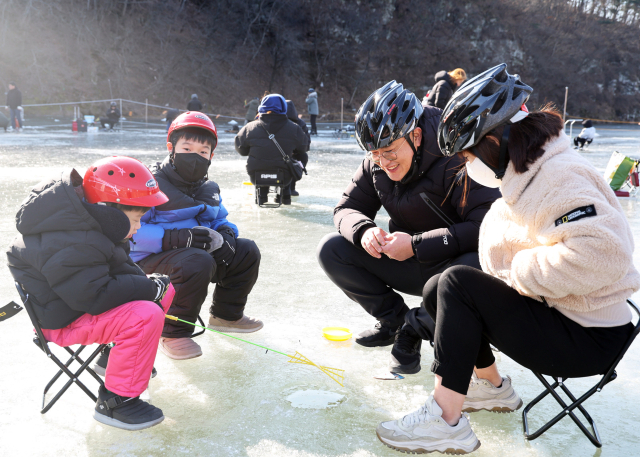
(72, 258)
(190, 239)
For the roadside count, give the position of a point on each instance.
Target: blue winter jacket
(189, 205)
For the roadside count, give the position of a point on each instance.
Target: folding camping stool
(609, 376)
(43, 344)
(267, 182)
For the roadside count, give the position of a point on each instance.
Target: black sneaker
(380, 335)
(295, 193)
(100, 365)
(286, 199)
(405, 354)
(127, 413)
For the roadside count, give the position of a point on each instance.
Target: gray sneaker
(245, 324)
(484, 395)
(426, 431)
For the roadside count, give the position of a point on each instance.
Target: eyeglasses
(374, 156)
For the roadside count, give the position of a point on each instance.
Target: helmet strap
(502, 158)
(415, 163)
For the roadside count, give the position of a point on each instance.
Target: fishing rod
(334, 373)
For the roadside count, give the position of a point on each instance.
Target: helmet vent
(110, 172)
(95, 169)
(132, 175)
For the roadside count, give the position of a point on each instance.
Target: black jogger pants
(192, 270)
(372, 283)
(472, 309)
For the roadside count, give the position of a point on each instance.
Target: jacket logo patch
(151, 183)
(444, 237)
(577, 214)
(216, 197)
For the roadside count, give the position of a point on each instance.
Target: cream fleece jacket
(583, 267)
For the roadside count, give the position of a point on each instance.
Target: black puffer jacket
(442, 90)
(65, 261)
(371, 188)
(194, 105)
(14, 98)
(253, 141)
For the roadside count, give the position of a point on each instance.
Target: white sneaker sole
(491, 406)
(443, 446)
(106, 420)
(234, 329)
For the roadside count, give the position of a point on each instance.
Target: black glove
(186, 238)
(162, 283)
(228, 249)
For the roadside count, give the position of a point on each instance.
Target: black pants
(473, 309)
(110, 122)
(314, 129)
(192, 270)
(581, 141)
(372, 283)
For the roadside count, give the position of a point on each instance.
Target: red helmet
(193, 119)
(122, 180)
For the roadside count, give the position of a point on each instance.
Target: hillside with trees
(227, 51)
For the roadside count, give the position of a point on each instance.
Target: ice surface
(232, 401)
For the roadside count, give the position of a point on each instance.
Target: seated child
(176, 239)
(72, 258)
(587, 134)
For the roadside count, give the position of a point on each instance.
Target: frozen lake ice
(236, 400)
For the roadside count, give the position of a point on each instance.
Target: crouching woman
(556, 255)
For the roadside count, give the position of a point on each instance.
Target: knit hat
(274, 103)
(587, 123)
(194, 95)
(312, 90)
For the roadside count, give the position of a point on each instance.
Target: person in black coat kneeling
(264, 156)
(433, 223)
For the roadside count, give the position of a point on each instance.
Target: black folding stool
(272, 182)
(43, 344)
(609, 376)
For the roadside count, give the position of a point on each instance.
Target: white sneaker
(426, 431)
(484, 395)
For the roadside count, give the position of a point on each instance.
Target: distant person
(252, 110)
(194, 104)
(14, 102)
(292, 114)
(4, 121)
(111, 118)
(312, 108)
(587, 135)
(171, 114)
(446, 84)
(253, 141)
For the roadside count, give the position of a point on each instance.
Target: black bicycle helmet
(483, 103)
(390, 113)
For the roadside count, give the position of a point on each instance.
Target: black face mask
(191, 167)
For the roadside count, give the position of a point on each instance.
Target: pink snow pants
(134, 327)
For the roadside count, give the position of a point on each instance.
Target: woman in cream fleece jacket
(556, 254)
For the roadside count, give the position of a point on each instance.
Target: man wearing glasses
(434, 223)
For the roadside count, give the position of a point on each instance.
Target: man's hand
(373, 240)
(398, 246)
